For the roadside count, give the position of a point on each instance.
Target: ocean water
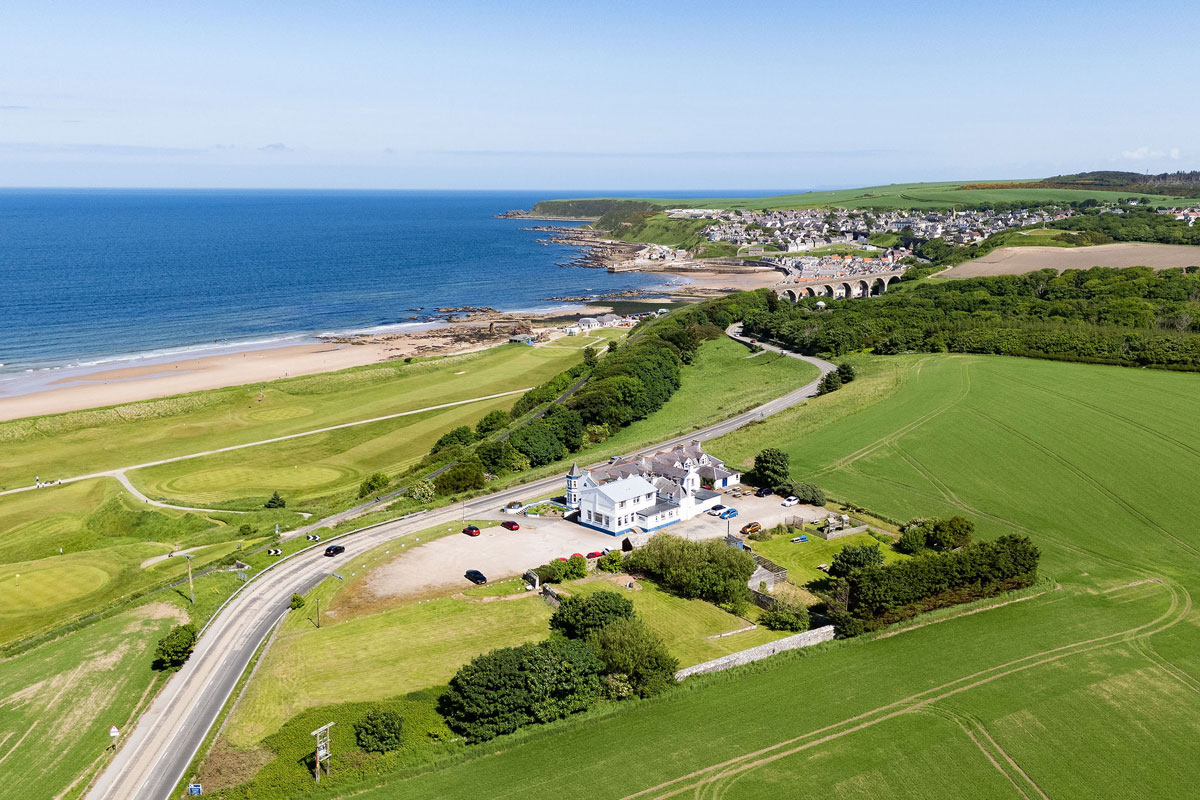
(99, 279)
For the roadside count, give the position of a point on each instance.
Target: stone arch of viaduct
(856, 286)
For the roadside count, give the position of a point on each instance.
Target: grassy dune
(1086, 686)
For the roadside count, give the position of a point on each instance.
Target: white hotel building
(648, 492)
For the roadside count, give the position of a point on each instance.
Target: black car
(475, 576)
(763, 492)
(334, 550)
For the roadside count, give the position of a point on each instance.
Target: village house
(647, 492)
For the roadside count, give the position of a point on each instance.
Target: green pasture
(1085, 686)
(83, 442)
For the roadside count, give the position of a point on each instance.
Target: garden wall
(749, 656)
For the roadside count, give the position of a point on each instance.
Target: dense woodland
(1134, 317)
(1180, 184)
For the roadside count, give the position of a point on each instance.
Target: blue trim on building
(624, 531)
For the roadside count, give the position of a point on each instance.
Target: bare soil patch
(1019, 260)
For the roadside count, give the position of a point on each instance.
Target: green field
(802, 558)
(1084, 687)
(903, 195)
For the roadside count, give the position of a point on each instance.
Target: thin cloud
(683, 154)
(97, 149)
(16, 108)
(277, 147)
(1150, 154)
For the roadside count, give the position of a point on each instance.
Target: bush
(297, 602)
(422, 491)
(611, 562)
(373, 484)
(808, 493)
(462, 477)
(460, 435)
(174, 648)
(830, 383)
(577, 617)
(492, 421)
(379, 731)
(912, 541)
(275, 501)
(636, 655)
(772, 467)
(785, 617)
(245, 529)
(505, 689)
(710, 570)
(498, 457)
(947, 534)
(576, 567)
(552, 572)
(853, 557)
(539, 443)
(846, 372)
(567, 426)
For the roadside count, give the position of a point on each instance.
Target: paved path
(119, 472)
(159, 748)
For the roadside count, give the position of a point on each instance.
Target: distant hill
(1175, 184)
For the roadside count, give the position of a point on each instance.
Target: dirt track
(1017, 260)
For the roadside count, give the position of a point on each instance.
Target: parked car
(763, 492)
(334, 550)
(791, 501)
(471, 530)
(728, 513)
(751, 527)
(595, 554)
(799, 539)
(475, 576)
(510, 525)
(719, 507)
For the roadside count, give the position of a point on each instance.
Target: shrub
(245, 529)
(492, 421)
(463, 476)
(611, 562)
(422, 491)
(710, 570)
(855, 556)
(785, 617)
(576, 567)
(373, 484)
(846, 372)
(505, 689)
(635, 655)
(297, 602)
(912, 541)
(830, 383)
(460, 435)
(379, 730)
(538, 442)
(498, 457)
(174, 648)
(577, 617)
(809, 493)
(567, 426)
(275, 501)
(947, 534)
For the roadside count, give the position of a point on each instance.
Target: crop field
(83, 442)
(942, 195)
(1018, 260)
(1084, 686)
(58, 700)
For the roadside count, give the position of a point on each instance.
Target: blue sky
(615, 95)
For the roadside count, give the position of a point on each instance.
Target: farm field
(58, 700)
(1084, 686)
(1019, 260)
(942, 195)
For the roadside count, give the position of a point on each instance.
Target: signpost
(113, 732)
(322, 751)
(195, 788)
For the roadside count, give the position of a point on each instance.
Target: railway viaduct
(853, 286)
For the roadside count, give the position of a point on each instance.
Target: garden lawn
(802, 558)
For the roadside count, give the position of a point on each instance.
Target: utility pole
(318, 621)
(191, 586)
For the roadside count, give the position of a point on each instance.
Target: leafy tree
(912, 540)
(373, 483)
(710, 570)
(380, 730)
(297, 602)
(460, 435)
(501, 691)
(808, 493)
(628, 648)
(576, 568)
(948, 534)
(846, 372)
(498, 457)
(578, 616)
(174, 648)
(538, 443)
(830, 383)
(492, 421)
(275, 501)
(589, 356)
(567, 425)
(422, 491)
(462, 477)
(855, 556)
(772, 467)
(785, 617)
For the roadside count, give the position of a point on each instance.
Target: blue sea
(101, 279)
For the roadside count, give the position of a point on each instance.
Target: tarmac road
(164, 740)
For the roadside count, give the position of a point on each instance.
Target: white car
(791, 501)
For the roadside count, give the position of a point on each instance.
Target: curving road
(166, 737)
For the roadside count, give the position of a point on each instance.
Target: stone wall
(749, 656)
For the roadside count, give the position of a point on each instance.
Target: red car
(595, 554)
(471, 530)
(510, 525)
(576, 555)
(560, 558)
